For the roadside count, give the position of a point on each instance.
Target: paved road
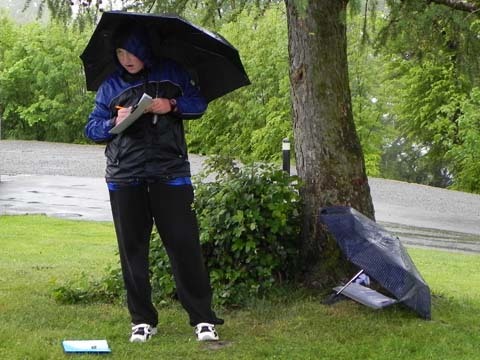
(66, 180)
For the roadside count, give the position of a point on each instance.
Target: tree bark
(329, 157)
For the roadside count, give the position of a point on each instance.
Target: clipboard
(138, 110)
(86, 346)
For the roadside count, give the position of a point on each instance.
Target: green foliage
(466, 155)
(405, 161)
(433, 65)
(250, 224)
(83, 289)
(367, 75)
(8, 33)
(427, 102)
(161, 276)
(251, 122)
(435, 93)
(43, 95)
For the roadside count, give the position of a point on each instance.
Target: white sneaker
(206, 332)
(142, 332)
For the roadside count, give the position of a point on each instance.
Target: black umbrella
(380, 254)
(213, 62)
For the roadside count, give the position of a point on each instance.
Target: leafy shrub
(84, 290)
(249, 222)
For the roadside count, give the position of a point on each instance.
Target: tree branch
(467, 6)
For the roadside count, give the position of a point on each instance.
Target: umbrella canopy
(382, 256)
(212, 61)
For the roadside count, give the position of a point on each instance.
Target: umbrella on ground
(380, 254)
(213, 62)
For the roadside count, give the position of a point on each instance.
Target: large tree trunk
(328, 152)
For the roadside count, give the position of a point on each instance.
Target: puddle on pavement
(434, 238)
(66, 215)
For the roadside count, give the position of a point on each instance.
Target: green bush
(84, 290)
(249, 222)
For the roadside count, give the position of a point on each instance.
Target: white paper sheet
(144, 102)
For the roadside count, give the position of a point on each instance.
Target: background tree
(251, 123)
(466, 156)
(329, 155)
(433, 66)
(42, 84)
(368, 80)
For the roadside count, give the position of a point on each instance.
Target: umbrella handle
(351, 280)
(155, 116)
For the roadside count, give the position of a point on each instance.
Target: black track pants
(134, 208)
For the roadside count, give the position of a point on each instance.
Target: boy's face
(129, 61)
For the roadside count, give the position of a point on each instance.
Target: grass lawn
(40, 253)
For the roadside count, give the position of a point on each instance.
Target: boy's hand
(159, 106)
(122, 114)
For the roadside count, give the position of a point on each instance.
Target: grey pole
(286, 155)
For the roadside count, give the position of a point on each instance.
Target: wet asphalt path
(66, 180)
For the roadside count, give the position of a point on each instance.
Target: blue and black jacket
(147, 150)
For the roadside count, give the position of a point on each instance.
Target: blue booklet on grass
(86, 346)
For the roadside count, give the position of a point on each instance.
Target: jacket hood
(136, 42)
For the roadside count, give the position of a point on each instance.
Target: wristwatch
(173, 105)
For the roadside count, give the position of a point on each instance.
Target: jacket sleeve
(191, 104)
(100, 121)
